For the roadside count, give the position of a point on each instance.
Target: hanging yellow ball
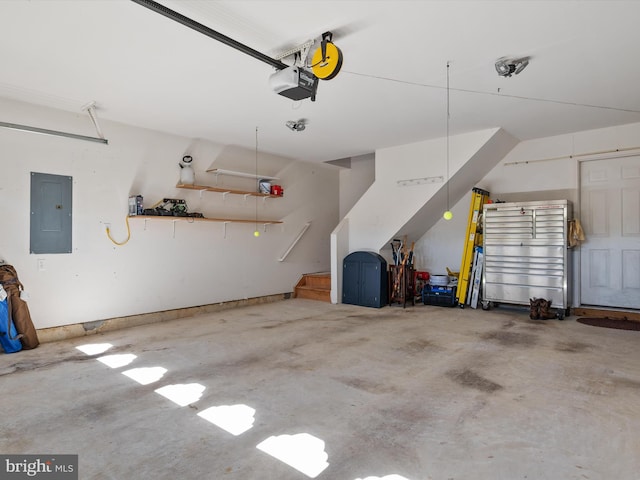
(448, 215)
(256, 233)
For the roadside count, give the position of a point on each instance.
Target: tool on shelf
(172, 207)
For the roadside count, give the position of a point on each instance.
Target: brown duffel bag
(18, 309)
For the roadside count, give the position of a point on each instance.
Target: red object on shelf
(277, 190)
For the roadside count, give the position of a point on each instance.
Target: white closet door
(610, 216)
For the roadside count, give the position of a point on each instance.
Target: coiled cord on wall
(126, 219)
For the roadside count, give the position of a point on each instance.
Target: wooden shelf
(207, 188)
(233, 173)
(196, 219)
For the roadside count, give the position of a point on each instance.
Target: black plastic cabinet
(364, 280)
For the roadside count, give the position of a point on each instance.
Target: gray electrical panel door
(50, 213)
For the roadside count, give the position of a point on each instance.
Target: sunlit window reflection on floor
(235, 419)
(94, 348)
(386, 477)
(182, 393)
(147, 375)
(117, 361)
(302, 451)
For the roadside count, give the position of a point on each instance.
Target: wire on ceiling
(495, 94)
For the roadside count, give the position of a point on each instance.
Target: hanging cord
(448, 116)
(126, 219)
(257, 177)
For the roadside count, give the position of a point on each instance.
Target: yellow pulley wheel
(327, 68)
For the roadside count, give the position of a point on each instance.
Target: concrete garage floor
(417, 393)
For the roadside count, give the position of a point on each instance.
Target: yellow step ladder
(473, 237)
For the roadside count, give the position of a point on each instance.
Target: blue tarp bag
(9, 338)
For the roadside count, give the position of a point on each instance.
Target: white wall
(386, 207)
(441, 246)
(396, 205)
(160, 268)
(354, 181)
(527, 180)
(339, 250)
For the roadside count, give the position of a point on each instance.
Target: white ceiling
(144, 69)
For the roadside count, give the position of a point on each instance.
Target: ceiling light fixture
(297, 125)
(511, 66)
(447, 214)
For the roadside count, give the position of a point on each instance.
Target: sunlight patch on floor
(94, 348)
(182, 394)
(146, 375)
(235, 419)
(302, 451)
(386, 477)
(117, 361)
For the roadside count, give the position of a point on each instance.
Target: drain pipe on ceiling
(56, 133)
(91, 110)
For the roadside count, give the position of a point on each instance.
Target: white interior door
(610, 216)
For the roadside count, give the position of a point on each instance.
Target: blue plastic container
(8, 334)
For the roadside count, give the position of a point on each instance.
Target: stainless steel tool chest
(525, 253)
